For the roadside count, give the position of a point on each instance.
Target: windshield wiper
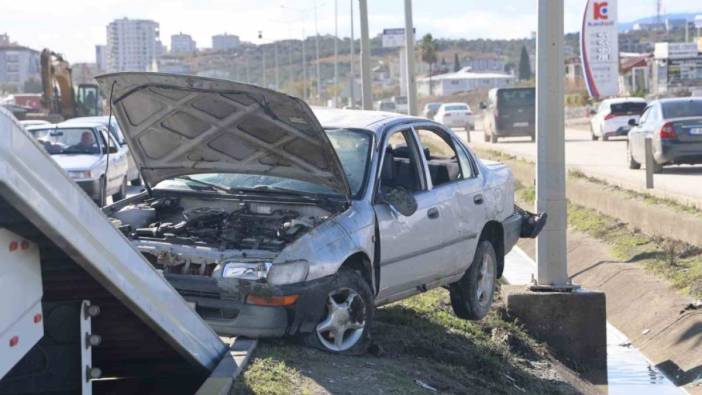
(210, 185)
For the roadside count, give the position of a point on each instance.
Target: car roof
(679, 99)
(625, 99)
(454, 104)
(375, 121)
(67, 125)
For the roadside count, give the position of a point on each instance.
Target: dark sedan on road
(675, 126)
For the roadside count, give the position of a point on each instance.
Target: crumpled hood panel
(180, 125)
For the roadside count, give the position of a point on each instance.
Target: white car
(612, 117)
(81, 150)
(456, 115)
(274, 220)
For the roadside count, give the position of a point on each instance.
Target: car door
(456, 193)
(117, 162)
(636, 140)
(410, 246)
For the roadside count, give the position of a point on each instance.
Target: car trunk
(688, 130)
(516, 108)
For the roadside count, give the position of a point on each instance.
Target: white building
(132, 45)
(463, 80)
(225, 41)
(18, 65)
(101, 57)
(182, 43)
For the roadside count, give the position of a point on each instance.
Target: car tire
(532, 137)
(486, 137)
(605, 137)
(122, 193)
(102, 193)
(351, 303)
(493, 138)
(633, 164)
(471, 296)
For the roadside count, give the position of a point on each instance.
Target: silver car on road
(273, 219)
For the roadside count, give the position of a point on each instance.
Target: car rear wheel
(347, 316)
(493, 138)
(633, 164)
(486, 137)
(471, 296)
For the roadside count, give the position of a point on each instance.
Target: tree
(524, 65)
(428, 48)
(456, 63)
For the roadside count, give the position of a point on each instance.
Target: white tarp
(599, 48)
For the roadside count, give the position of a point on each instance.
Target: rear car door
(411, 247)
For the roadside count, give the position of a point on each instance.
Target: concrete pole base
(572, 324)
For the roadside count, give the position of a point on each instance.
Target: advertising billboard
(599, 48)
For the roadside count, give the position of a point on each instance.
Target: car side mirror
(633, 123)
(399, 199)
(483, 106)
(113, 149)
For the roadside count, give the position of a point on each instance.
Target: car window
(68, 141)
(440, 156)
(465, 162)
(627, 108)
(457, 107)
(645, 115)
(681, 109)
(400, 166)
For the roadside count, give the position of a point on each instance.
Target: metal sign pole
(550, 167)
(367, 95)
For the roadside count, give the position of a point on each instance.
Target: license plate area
(696, 131)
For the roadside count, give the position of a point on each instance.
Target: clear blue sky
(73, 27)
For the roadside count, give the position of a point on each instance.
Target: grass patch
(679, 263)
(420, 341)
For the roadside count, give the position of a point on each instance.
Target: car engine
(193, 236)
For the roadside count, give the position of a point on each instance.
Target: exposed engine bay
(192, 235)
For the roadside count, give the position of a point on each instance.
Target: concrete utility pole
(367, 95)
(304, 65)
(277, 72)
(352, 53)
(550, 141)
(409, 56)
(263, 60)
(336, 54)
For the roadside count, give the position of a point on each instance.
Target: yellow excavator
(59, 99)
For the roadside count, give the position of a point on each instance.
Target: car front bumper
(91, 187)
(222, 304)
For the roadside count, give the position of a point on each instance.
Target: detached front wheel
(347, 316)
(471, 296)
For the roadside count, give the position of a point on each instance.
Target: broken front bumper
(222, 302)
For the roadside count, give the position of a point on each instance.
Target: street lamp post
(367, 95)
(316, 44)
(263, 60)
(352, 53)
(336, 53)
(409, 58)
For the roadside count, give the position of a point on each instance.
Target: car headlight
(253, 271)
(288, 272)
(81, 174)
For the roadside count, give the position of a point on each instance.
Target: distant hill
(625, 26)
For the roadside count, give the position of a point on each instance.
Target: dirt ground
(419, 347)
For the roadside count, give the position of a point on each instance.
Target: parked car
(385, 105)
(81, 150)
(675, 127)
(116, 131)
(274, 220)
(33, 122)
(401, 104)
(509, 112)
(613, 115)
(456, 115)
(430, 110)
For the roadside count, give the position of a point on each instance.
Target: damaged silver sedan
(275, 220)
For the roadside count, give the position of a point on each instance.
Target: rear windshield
(682, 109)
(516, 97)
(628, 108)
(457, 107)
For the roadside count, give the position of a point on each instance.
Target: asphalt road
(607, 161)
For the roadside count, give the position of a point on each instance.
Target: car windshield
(458, 107)
(628, 108)
(352, 146)
(68, 141)
(682, 109)
(517, 97)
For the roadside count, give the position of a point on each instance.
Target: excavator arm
(59, 98)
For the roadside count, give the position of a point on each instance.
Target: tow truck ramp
(92, 314)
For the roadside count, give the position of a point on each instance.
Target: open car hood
(180, 125)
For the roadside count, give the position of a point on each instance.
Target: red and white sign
(599, 48)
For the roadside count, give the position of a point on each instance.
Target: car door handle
(433, 213)
(478, 199)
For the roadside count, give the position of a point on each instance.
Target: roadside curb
(229, 368)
